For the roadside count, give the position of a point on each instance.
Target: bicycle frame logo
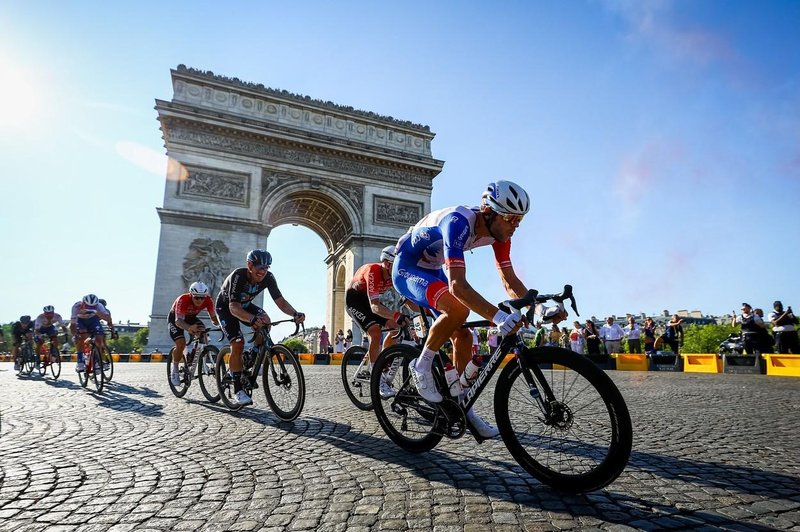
(486, 373)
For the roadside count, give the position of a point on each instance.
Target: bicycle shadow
(62, 383)
(481, 474)
(119, 398)
(132, 390)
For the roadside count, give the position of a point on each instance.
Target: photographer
(783, 329)
(752, 325)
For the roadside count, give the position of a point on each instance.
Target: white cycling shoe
(485, 429)
(385, 389)
(242, 399)
(175, 378)
(423, 380)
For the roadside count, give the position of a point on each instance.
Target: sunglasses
(261, 269)
(513, 219)
(199, 297)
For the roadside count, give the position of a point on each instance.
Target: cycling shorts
(49, 330)
(231, 324)
(420, 285)
(358, 307)
(175, 332)
(90, 325)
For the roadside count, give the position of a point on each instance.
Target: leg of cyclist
(233, 332)
(176, 333)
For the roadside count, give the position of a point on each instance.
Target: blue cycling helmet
(259, 257)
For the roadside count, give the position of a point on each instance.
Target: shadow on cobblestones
(62, 384)
(117, 396)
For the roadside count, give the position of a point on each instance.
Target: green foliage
(140, 339)
(705, 338)
(296, 345)
(123, 344)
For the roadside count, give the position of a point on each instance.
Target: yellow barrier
(702, 363)
(631, 361)
(156, 357)
(115, 357)
(783, 365)
(336, 359)
(306, 358)
(135, 357)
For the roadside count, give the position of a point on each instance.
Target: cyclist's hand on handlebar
(299, 317)
(261, 320)
(507, 323)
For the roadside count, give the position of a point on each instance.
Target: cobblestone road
(710, 451)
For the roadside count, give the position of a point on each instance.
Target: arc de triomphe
(245, 159)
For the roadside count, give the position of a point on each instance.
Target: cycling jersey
(42, 321)
(237, 287)
(81, 310)
(184, 307)
(18, 331)
(370, 280)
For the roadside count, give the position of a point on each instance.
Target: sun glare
(20, 97)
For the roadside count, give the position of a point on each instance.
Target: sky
(659, 140)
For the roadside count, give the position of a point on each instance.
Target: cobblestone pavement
(710, 452)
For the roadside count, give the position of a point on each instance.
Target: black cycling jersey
(18, 329)
(237, 287)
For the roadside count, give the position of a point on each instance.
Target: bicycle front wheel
(97, 370)
(108, 364)
(55, 364)
(408, 420)
(180, 389)
(581, 439)
(205, 373)
(29, 358)
(355, 376)
(284, 384)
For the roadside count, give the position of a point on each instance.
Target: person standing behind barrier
(476, 341)
(783, 329)
(649, 336)
(339, 341)
(765, 341)
(674, 334)
(752, 325)
(612, 335)
(348, 339)
(577, 342)
(491, 339)
(324, 340)
(592, 338)
(633, 333)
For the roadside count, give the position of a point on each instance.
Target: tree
(140, 338)
(705, 338)
(296, 345)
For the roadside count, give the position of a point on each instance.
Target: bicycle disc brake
(456, 423)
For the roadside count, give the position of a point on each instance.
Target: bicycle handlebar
(297, 325)
(533, 297)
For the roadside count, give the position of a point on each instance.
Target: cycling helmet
(198, 289)
(48, 309)
(25, 319)
(259, 257)
(102, 302)
(387, 253)
(505, 197)
(90, 300)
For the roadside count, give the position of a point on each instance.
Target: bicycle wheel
(55, 364)
(28, 358)
(225, 381)
(284, 384)
(41, 360)
(108, 364)
(408, 420)
(355, 376)
(83, 376)
(583, 442)
(205, 373)
(183, 370)
(97, 370)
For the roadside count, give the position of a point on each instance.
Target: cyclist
(19, 331)
(363, 305)
(234, 306)
(183, 317)
(45, 325)
(437, 243)
(85, 319)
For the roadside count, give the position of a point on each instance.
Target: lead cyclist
(429, 270)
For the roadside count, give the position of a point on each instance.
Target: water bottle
(451, 376)
(471, 372)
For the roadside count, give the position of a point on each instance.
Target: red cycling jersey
(184, 307)
(370, 279)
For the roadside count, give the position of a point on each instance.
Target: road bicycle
(26, 355)
(560, 416)
(49, 357)
(282, 376)
(93, 369)
(200, 363)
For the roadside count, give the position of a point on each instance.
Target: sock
(237, 381)
(425, 360)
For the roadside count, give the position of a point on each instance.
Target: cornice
(211, 221)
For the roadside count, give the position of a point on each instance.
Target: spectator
(555, 335)
(592, 338)
(752, 325)
(674, 334)
(649, 336)
(633, 333)
(324, 340)
(783, 329)
(565, 338)
(348, 339)
(577, 342)
(612, 335)
(539, 337)
(491, 339)
(339, 341)
(476, 341)
(765, 340)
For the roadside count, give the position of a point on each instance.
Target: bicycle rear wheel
(181, 389)
(225, 380)
(284, 383)
(355, 376)
(205, 373)
(97, 370)
(408, 420)
(583, 441)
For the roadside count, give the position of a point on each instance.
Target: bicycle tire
(28, 359)
(584, 399)
(178, 391)
(83, 376)
(284, 383)
(224, 383)
(108, 374)
(42, 365)
(97, 370)
(355, 377)
(55, 364)
(426, 427)
(205, 373)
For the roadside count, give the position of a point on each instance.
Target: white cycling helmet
(387, 253)
(90, 300)
(48, 309)
(198, 289)
(505, 197)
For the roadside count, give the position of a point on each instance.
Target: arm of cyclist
(461, 289)
(254, 320)
(395, 320)
(289, 310)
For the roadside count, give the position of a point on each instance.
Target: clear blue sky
(660, 140)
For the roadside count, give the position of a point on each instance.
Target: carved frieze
(207, 261)
(265, 150)
(218, 186)
(355, 193)
(390, 211)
